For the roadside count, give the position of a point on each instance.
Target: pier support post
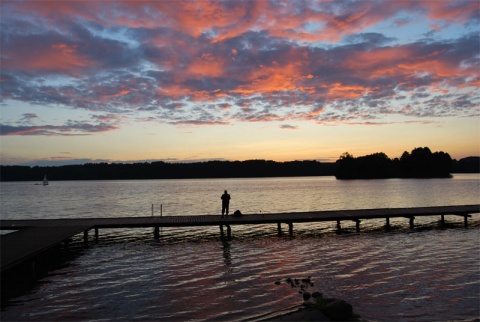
(229, 232)
(357, 225)
(339, 227)
(442, 221)
(96, 234)
(387, 225)
(156, 233)
(279, 228)
(412, 218)
(33, 270)
(290, 229)
(85, 236)
(465, 221)
(66, 243)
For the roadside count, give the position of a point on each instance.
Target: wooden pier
(32, 237)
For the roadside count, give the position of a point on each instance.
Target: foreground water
(427, 274)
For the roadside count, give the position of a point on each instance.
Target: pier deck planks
(27, 243)
(35, 236)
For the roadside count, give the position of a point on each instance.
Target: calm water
(427, 274)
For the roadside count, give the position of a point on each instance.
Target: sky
(140, 81)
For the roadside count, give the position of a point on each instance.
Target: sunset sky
(130, 81)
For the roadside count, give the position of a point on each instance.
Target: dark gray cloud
(28, 117)
(370, 39)
(71, 128)
(288, 127)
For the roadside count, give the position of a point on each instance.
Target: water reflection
(227, 258)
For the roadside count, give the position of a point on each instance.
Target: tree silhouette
(420, 163)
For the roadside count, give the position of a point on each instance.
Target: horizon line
(85, 161)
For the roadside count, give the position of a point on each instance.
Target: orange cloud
(60, 57)
(114, 95)
(206, 65)
(358, 18)
(341, 91)
(403, 60)
(459, 11)
(176, 91)
(435, 67)
(274, 78)
(378, 60)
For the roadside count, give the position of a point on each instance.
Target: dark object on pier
(237, 213)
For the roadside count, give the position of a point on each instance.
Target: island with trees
(420, 163)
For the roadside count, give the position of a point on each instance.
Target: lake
(425, 274)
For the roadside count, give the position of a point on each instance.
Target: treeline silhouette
(420, 163)
(467, 165)
(163, 170)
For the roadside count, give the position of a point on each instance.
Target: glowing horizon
(128, 81)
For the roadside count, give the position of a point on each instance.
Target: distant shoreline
(39, 183)
(197, 170)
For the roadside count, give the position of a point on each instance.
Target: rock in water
(317, 295)
(338, 310)
(306, 296)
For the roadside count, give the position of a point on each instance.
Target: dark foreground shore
(302, 314)
(313, 313)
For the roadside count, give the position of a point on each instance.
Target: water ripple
(427, 274)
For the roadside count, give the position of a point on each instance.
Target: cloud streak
(73, 128)
(222, 62)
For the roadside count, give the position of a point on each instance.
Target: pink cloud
(59, 57)
(453, 11)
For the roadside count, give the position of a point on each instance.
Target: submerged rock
(306, 296)
(338, 310)
(317, 295)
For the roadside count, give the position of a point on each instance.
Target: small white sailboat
(45, 181)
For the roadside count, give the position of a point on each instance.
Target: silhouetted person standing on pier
(225, 203)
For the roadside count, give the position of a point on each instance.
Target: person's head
(225, 191)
